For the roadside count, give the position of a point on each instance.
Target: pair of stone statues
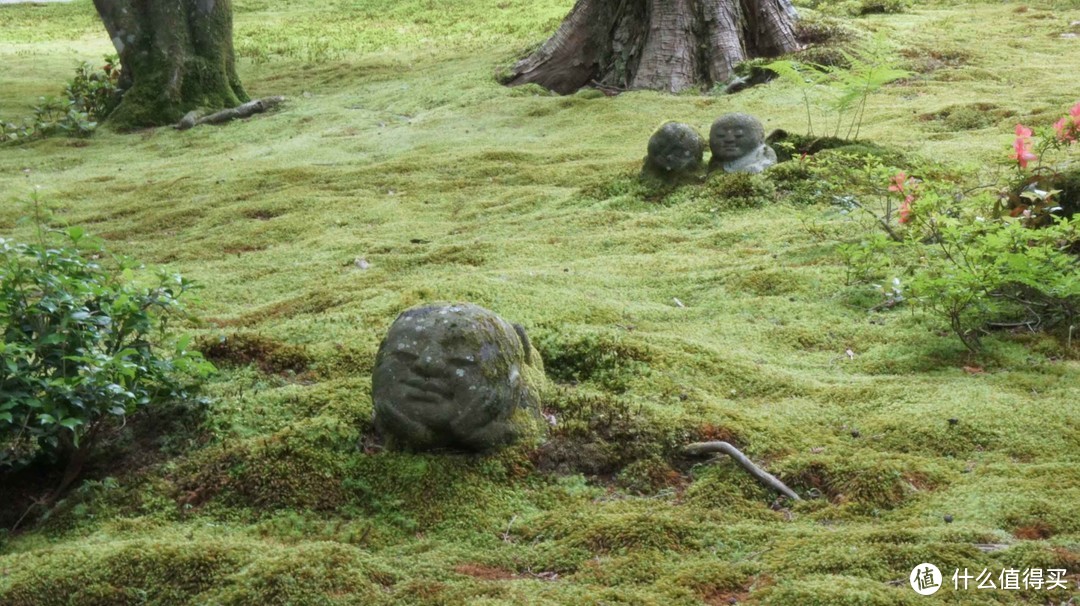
(737, 142)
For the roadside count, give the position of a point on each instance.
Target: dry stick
(703, 448)
(506, 535)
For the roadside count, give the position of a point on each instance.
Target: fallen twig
(506, 535)
(703, 448)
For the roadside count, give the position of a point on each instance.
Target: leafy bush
(82, 345)
(88, 99)
(981, 261)
(94, 91)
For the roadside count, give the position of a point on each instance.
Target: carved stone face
(676, 147)
(735, 135)
(450, 377)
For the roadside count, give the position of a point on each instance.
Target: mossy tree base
(667, 45)
(176, 57)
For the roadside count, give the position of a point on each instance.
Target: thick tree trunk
(176, 56)
(669, 45)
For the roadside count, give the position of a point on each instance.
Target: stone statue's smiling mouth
(429, 390)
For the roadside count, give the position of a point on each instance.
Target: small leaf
(71, 423)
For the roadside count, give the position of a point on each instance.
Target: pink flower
(1075, 112)
(1022, 151)
(1022, 131)
(1066, 130)
(905, 209)
(898, 181)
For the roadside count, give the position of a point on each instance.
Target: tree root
(245, 110)
(703, 448)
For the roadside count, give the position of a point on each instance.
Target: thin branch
(506, 535)
(882, 221)
(703, 448)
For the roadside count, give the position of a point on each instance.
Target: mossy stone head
(735, 135)
(676, 147)
(456, 376)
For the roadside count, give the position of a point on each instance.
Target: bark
(176, 56)
(669, 45)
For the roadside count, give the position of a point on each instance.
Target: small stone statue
(675, 150)
(738, 145)
(456, 377)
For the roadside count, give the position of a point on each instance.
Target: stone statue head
(676, 147)
(735, 135)
(456, 377)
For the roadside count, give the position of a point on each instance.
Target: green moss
(836, 590)
(732, 191)
(121, 573)
(867, 482)
(970, 117)
(703, 311)
(244, 348)
(315, 574)
(607, 358)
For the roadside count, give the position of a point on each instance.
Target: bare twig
(40, 502)
(882, 221)
(703, 448)
(990, 547)
(506, 535)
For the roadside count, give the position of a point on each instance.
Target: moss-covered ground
(696, 316)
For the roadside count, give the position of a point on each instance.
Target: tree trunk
(176, 56)
(669, 45)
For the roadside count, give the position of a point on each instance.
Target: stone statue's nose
(425, 364)
(428, 362)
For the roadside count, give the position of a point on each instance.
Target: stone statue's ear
(525, 343)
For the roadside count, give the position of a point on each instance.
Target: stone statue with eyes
(456, 377)
(738, 145)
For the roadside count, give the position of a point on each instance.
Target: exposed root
(703, 448)
(245, 110)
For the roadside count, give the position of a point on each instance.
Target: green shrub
(82, 345)
(94, 91)
(88, 99)
(968, 261)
